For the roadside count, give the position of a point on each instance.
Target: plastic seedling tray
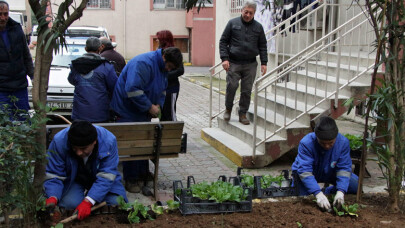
(193, 205)
(287, 188)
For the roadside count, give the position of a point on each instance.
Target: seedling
(219, 191)
(157, 209)
(299, 225)
(267, 180)
(135, 210)
(172, 205)
(247, 180)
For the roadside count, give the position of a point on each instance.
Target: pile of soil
(372, 213)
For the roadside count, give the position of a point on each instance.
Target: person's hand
(323, 202)
(51, 202)
(225, 65)
(83, 210)
(263, 69)
(339, 199)
(154, 110)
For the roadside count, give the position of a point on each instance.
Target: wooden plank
(148, 150)
(146, 143)
(144, 157)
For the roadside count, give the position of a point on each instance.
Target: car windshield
(64, 57)
(85, 33)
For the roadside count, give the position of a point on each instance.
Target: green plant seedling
(172, 205)
(157, 209)
(247, 180)
(133, 217)
(299, 225)
(122, 205)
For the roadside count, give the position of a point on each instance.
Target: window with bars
(99, 4)
(168, 4)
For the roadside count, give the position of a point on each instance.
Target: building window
(99, 4)
(168, 4)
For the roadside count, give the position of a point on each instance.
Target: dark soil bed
(270, 214)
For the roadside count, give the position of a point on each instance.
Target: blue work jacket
(315, 164)
(94, 80)
(61, 169)
(142, 83)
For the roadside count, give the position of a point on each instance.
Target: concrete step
(273, 121)
(364, 59)
(240, 152)
(327, 82)
(245, 132)
(293, 107)
(330, 68)
(304, 94)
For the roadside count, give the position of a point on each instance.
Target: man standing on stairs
(242, 40)
(324, 157)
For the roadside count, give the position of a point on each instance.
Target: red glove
(83, 210)
(51, 202)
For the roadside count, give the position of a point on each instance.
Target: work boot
(243, 119)
(227, 115)
(133, 186)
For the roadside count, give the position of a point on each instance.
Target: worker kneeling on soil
(82, 169)
(324, 157)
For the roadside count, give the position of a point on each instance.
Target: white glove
(339, 200)
(323, 202)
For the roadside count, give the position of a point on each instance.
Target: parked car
(60, 91)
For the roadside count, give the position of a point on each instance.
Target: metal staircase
(314, 71)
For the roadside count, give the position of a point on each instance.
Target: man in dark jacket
(324, 157)
(82, 169)
(108, 52)
(15, 61)
(94, 79)
(242, 40)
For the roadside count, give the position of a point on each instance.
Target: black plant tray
(193, 205)
(274, 191)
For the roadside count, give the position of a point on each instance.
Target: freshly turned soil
(372, 213)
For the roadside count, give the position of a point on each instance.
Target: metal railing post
(255, 122)
(339, 46)
(210, 117)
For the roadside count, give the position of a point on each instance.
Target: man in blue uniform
(94, 79)
(324, 157)
(139, 95)
(15, 62)
(83, 159)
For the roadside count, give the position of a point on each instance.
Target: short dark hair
(82, 133)
(326, 128)
(93, 44)
(173, 55)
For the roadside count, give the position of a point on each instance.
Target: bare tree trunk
(40, 88)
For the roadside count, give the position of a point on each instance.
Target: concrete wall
(223, 15)
(202, 25)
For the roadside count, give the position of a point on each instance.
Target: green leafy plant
(59, 225)
(172, 205)
(219, 191)
(267, 180)
(247, 180)
(157, 209)
(299, 225)
(18, 153)
(350, 210)
(135, 209)
(355, 141)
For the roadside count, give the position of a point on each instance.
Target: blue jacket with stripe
(142, 83)
(315, 164)
(61, 169)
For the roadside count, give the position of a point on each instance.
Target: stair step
(301, 74)
(346, 71)
(245, 132)
(230, 146)
(269, 122)
(318, 93)
(365, 58)
(290, 103)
